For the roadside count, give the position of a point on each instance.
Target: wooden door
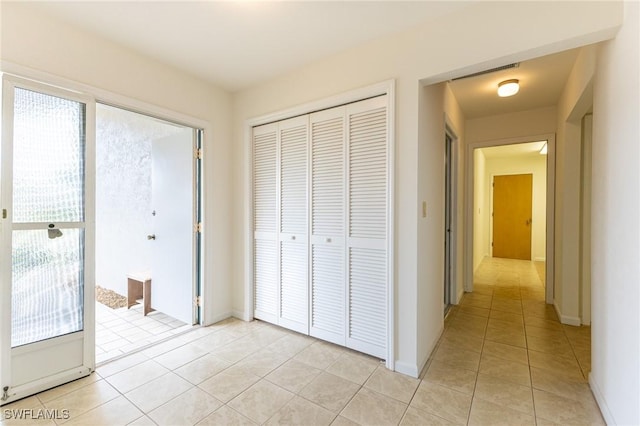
(512, 216)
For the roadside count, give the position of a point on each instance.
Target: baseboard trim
(218, 318)
(540, 259)
(566, 319)
(407, 369)
(241, 315)
(602, 403)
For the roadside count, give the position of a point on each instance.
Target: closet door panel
(294, 308)
(367, 142)
(328, 225)
(265, 222)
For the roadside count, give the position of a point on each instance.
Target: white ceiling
(241, 43)
(237, 44)
(515, 150)
(541, 83)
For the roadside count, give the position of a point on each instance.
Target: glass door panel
(47, 284)
(46, 239)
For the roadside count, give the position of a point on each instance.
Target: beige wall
(413, 57)
(455, 119)
(574, 103)
(60, 54)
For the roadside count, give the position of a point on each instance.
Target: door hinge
(197, 301)
(4, 213)
(198, 153)
(197, 227)
(491, 243)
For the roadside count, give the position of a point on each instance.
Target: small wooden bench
(139, 289)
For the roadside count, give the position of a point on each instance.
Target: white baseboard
(407, 369)
(241, 315)
(540, 259)
(566, 319)
(218, 318)
(602, 403)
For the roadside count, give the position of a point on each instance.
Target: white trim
(540, 259)
(380, 89)
(454, 293)
(566, 319)
(469, 213)
(602, 402)
(407, 369)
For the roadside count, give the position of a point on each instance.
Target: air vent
(475, 74)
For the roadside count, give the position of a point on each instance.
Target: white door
(368, 210)
(47, 283)
(294, 309)
(173, 221)
(327, 225)
(265, 222)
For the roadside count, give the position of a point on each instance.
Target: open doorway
(510, 202)
(147, 237)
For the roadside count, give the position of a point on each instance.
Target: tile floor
(121, 331)
(503, 359)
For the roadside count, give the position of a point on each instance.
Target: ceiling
(541, 83)
(515, 150)
(237, 44)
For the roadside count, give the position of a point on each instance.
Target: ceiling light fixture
(508, 88)
(543, 150)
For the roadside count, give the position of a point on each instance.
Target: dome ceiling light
(508, 88)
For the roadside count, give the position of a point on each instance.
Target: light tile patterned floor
(503, 359)
(122, 331)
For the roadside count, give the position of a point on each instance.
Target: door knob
(151, 237)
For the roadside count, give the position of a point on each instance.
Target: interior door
(294, 310)
(512, 204)
(328, 300)
(448, 220)
(47, 280)
(173, 226)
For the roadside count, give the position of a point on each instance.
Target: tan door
(512, 216)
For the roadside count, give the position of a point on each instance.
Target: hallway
(506, 351)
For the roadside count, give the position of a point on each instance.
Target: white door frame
(54, 346)
(453, 239)
(384, 88)
(469, 213)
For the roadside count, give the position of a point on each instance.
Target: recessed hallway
(503, 359)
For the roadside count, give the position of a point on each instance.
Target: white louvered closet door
(294, 287)
(367, 281)
(265, 222)
(327, 138)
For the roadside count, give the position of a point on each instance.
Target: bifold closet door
(293, 241)
(367, 278)
(328, 288)
(265, 222)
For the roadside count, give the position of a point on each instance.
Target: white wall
(502, 33)
(53, 51)
(615, 374)
(537, 165)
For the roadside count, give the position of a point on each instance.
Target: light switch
(424, 209)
